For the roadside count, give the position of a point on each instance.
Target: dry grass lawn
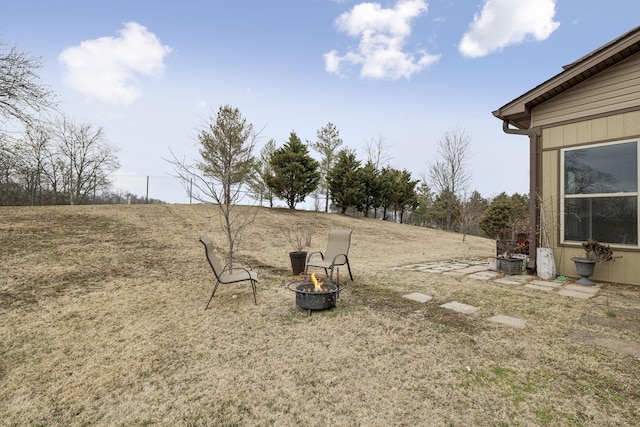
(103, 323)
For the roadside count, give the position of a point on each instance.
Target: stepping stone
(509, 321)
(586, 289)
(457, 266)
(546, 283)
(591, 338)
(484, 275)
(538, 287)
(460, 308)
(574, 294)
(472, 269)
(417, 296)
(508, 281)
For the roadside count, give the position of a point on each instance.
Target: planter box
(509, 266)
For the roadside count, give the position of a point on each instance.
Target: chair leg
(253, 285)
(212, 294)
(349, 268)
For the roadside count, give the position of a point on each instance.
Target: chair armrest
(313, 253)
(229, 266)
(335, 258)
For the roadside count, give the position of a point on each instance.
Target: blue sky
(150, 73)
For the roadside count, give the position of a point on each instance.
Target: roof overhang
(518, 112)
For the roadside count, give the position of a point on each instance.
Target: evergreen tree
(345, 182)
(295, 173)
(506, 216)
(396, 190)
(370, 178)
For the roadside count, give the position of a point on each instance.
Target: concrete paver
(480, 270)
(508, 281)
(483, 275)
(538, 287)
(587, 289)
(417, 296)
(546, 283)
(460, 307)
(574, 294)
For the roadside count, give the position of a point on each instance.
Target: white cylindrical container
(545, 263)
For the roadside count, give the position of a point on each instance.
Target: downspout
(533, 184)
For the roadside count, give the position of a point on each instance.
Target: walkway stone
(538, 287)
(483, 275)
(509, 321)
(587, 289)
(546, 283)
(574, 294)
(591, 338)
(480, 270)
(473, 269)
(460, 308)
(417, 296)
(508, 281)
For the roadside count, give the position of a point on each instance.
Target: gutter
(533, 181)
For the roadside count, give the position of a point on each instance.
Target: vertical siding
(616, 126)
(615, 89)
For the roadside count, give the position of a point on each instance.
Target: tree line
(54, 160)
(228, 170)
(46, 158)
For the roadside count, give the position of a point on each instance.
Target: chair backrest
(338, 244)
(211, 256)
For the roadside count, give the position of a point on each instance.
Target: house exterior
(583, 129)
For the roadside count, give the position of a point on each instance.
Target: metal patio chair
(228, 273)
(336, 254)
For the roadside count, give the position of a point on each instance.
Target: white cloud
(106, 68)
(502, 23)
(382, 33)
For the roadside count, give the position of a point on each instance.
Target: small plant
(598, 252)
(299, 236)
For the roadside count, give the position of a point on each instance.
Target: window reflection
(605, 219)
(605, 169)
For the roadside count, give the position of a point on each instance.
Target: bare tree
(88, 159)
(22, 95)
(450, 174)
(227, 164)
(378, 152)
(327, 144)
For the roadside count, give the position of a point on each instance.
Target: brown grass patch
(103, 323)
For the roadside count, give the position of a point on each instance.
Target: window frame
(564, 197)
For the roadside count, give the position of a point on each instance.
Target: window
(600, 193)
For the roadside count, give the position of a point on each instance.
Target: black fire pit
(310, 299)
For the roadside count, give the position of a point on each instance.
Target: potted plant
(299, 238)
(594, 252)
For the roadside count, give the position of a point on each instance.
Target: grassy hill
(103, 323)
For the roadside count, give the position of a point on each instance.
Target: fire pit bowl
(308, 298)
